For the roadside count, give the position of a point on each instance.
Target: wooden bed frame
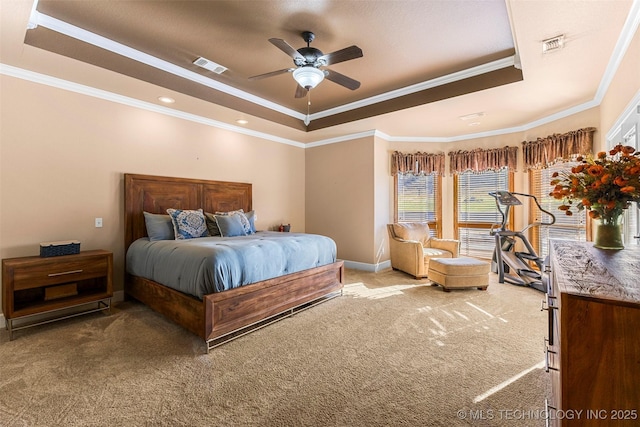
(221, 316)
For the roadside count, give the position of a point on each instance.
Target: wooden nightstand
(36, 286)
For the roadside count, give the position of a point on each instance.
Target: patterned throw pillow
(246, 225)
(188, 224)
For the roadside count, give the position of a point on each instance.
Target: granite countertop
(581, 269)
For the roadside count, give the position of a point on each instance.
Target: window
(566, 227)
(476, 211)
(418, 200)
(631, 233)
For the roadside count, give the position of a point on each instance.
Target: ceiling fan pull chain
(307, 119)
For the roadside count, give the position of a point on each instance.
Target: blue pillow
(159, 226)
(188, 224)
(230, 225)
(251, 216)
(246, 224)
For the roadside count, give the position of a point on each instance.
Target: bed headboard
(155, 194)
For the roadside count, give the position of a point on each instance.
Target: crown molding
(44, 79)
(429, 84)
(40, 19)
(629, 30)
(39, 78)
(633, 107)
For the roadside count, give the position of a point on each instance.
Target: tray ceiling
(426, 64)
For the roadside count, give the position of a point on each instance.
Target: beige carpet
(393, 351)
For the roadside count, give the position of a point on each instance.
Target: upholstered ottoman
(462, 272)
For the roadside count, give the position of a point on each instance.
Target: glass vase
(609, 233)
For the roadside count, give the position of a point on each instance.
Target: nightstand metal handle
(64, 272)
(546, 303)
(548, 351)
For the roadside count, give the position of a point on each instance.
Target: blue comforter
(214, 264)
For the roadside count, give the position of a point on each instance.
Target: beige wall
(63, 156)
(349, 187)
(340, 196)
(384, 200)
(624, 86)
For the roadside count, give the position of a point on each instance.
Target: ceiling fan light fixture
(308, 77)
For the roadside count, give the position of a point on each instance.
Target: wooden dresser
(593, 347)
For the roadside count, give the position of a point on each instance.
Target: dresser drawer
(55, 271)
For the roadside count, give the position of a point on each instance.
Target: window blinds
(476, 210)
(418, 198)
(631, 228)
(566, 227)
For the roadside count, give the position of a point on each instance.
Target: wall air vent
(554, 43)
(210, 65)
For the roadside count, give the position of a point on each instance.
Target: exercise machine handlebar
(507, 198)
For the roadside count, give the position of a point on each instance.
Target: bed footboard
(221, 315)
(238, 308)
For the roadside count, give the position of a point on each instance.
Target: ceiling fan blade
(272, 73)
(286, 48)
(341, 79)
(300, 92)
(351, 52)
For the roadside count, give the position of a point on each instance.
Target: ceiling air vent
(210, 65)
(554, 43)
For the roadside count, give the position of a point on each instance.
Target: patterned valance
(417, 163)
(480, 160)
(543, 152)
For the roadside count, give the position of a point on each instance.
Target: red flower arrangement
(604, 185)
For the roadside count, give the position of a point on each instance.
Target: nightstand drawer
(56, 271)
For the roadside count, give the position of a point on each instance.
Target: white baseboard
(374, 268)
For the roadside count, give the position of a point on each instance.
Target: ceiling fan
(308, 61)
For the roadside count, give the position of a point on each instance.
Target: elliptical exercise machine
(513, 266)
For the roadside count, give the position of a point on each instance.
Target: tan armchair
(411, 248)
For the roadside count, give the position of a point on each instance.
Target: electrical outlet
(98, 222)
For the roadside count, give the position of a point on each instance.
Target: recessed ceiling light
(472, 116)
(474, 123)
(242, 121)
(166, 99)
